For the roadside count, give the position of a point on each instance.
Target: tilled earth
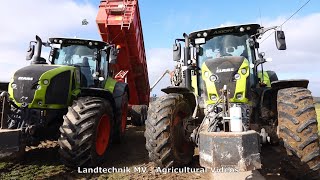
(42, 162)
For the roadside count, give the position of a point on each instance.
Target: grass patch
(19, 171)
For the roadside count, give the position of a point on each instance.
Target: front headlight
(244, 71)
(237, 76)
(213, 97)
(213, 78)
(46, 82)
(239, 96)
(14, 86)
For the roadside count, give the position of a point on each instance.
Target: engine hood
(27, 85)
(224, 69)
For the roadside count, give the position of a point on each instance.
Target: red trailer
(119, 23)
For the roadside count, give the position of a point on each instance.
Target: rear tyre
(139, 115)
(85, 132)
(122, 113)
(165, 136)
(298, 128)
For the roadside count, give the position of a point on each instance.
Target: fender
(189, 95)
(282, 84)
(119, 89)
(97, 92)
(269, 95)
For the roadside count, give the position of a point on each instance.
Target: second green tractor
(71, 97)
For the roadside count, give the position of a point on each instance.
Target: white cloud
(22, 20)
(301, 59)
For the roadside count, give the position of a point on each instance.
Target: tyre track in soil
(42, 162)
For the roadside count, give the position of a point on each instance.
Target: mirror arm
(264, 30)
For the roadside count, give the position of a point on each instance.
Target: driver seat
(87, 79)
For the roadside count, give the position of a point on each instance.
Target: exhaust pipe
(37, 57)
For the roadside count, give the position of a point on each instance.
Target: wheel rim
(103, 134)
(124, 113)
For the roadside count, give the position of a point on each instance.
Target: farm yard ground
(42, 162)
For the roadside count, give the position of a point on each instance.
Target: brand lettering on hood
(224, 70)
(25, 78)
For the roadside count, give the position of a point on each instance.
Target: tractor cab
(90, 57)
(225, 57)
(221, 43)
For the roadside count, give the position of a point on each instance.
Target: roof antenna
(280, 27)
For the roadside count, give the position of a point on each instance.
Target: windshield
(80, 56)
(225, 45)
(76, 55)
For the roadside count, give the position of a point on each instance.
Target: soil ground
(42, 162)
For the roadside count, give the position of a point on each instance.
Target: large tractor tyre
(85, 132)
(139, 115)
(122, 114)
(297, 125)
(165, 136)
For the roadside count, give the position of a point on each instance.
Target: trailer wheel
(165, 136)
(297, 125)
(85, 132)
(139, 115)
(122, 113)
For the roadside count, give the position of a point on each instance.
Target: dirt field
(43, 163)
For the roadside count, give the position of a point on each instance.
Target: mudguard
(282, 84)
(98, 92)
(189, 95)
(119, 89)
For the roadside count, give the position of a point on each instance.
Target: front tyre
(85, 132)
(165, 135)
(298, 128)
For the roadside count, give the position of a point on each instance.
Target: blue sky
(165, 20)
(162, 22)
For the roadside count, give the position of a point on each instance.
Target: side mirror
(113, 56)
(30, 52)
(280, 40)
(176, 51)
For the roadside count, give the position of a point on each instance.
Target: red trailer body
(119, 23)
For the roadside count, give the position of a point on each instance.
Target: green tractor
(73, 99)
(225, 103)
